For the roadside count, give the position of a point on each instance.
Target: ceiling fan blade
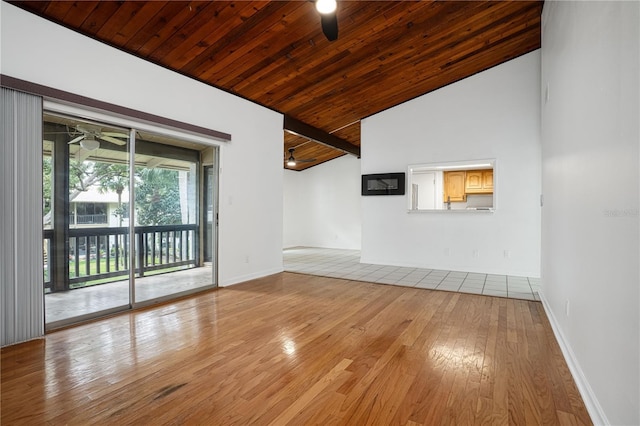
(78, 139)
(330, 26)
(115, 134)
(112, 140)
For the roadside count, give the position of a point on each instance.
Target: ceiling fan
(328, 18)
(291, 161)
(91, 135)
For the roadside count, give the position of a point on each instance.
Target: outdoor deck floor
(79, 303)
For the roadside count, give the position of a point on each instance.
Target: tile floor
(346, 264)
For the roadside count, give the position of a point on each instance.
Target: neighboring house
(93, 208)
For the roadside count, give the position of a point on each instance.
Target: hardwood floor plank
(292, 410)
(295, 349)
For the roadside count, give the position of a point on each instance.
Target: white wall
(590, 222)
(322, 205)
(250, 238)
(493, 114)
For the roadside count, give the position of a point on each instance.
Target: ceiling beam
(304, 130)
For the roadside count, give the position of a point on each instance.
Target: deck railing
(99, 254)
(90, 219)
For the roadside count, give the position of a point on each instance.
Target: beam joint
(299, 128)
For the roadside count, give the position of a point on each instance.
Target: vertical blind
(21, 244)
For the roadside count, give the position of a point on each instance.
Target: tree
(83, 175)
(46, 186)
(113, 178)
(157, 197)
(157, 193)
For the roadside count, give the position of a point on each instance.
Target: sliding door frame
(133, 126)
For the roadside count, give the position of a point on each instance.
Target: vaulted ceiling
(274, 53)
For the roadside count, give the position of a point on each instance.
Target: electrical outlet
(476, 253)
(448, 251)
(507, 254)
(246, 259)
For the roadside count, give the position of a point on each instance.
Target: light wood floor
(296, 349)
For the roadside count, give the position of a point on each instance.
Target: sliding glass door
(120, 229)
(86, 180)
(168, 230)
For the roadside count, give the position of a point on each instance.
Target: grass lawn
(93, 270)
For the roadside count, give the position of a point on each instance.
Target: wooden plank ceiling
(274, 53)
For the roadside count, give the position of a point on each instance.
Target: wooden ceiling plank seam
(314, 59)
(98, 17)
(245, 63)
(125, 12)
(388, 63)
(302, 144)
(490, 54)
(153, 26)
(253, 71)
(457, 73)
(293, 141)
(196, 21)
(222, 20)
(38, 7)
(201, 34)
(241, 52)
(318, 63)
(369, 78)
(332, 74)
(145, 14)
(503, 25)
(273, 54)
(58, 9)
(403, 94)
(513, 32)
(314, 153)
(265, 15)
(317, 151)
(303, 45)
(366, 68)
(305, 148)
(351, 128)
(76, 15)
(170, 28)
(295, 69)
(421, 77)
(306, 166)
(470, 45)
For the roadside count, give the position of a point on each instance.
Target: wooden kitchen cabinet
(479, 182)
(454, 186)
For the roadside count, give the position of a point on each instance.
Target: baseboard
(249, 277)
(590, 401)
(23, 341)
